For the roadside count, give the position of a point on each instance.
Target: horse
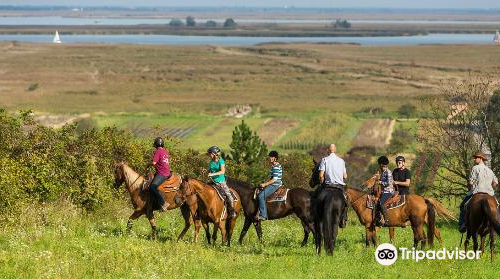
(144, 204)
(358, 200)
(210, 208)
(298, 202)
(417, 210)
(481, 218)
(328, 209)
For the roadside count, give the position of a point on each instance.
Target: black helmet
(273, 154)
(383, 160)
(158, 142)
(213, 149)
(400, 159)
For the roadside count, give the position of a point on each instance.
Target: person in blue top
(217, 171)
(270, 186)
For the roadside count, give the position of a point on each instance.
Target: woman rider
(161, 162)
(387, 187)
(217, 170)
(270, 186)
(401, 176)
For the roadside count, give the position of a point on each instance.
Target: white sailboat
(496, 40)
(57, 40)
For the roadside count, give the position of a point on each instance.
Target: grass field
(59, 242)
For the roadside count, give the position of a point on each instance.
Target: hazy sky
(270, 3)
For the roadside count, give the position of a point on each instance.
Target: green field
(59, 242)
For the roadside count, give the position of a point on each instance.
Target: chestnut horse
(481, 218)
(144, 204)
(210, 208)
(417, 210)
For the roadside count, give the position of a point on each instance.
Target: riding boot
(230, 210)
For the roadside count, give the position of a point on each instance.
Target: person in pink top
(161, 162)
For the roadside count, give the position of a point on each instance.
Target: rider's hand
(210, 174)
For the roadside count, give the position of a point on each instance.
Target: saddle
(394, 202)
(170, 185)
(279, 195)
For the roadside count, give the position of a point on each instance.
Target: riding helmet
(400, 159)
(213, 149)
(158, 142)
(273, 154)
(383, 160)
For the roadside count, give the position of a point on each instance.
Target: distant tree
(341, 24)
(248, 153)
(190, 21)
(230, 23)
(175, 22)
(247, 147)
(407, 110)
(211, 24)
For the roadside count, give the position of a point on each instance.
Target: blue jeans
(269, 190)
(383, 198)
(157, 181)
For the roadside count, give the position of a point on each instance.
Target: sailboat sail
(57, 40)
(497, 38)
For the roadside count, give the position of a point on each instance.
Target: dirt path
(375, 133)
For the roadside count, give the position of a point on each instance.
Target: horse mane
(240, 184)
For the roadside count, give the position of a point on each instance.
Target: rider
(161, 162)
(270, 186)
(387, 187)
(401, 176)
(217, 170)
(332, 173)
(481, 180)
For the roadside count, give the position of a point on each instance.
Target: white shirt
(334, 168)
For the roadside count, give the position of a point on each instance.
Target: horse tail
(441, 210)
(431, 222)
(487, 211)
(328, 223)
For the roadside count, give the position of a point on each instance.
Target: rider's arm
(494, 183)
(321, 176)
(222, 171)
(264, 185)
(406, 183)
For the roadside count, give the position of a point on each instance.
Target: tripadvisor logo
(387, 254)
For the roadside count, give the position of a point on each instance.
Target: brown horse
(210, 208)
(481, 218)
(144, 204)
(417, 210)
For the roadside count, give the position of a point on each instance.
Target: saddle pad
(221, 194)
(370, 202)
(279, 195)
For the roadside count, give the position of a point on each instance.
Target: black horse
(328, 205)
(298, 202)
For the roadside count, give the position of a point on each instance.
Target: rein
(360, 197)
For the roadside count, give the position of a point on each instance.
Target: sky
(426, 4)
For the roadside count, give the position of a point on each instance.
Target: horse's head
(314, 181)
(185, 190)
(119, 174)
(372, 182)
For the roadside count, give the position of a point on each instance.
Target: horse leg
(246, 226)
(214, 235)
(197, 225)
(467, 239)
(187, 220)
(474, 241)
(258, 228)
(305, 225)
(230, 232)
(222, 228)
(391, 234)
(152, 222)
(483, 240)
(492, 242)
(131, 219)
(207, 231)
(368, 236)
